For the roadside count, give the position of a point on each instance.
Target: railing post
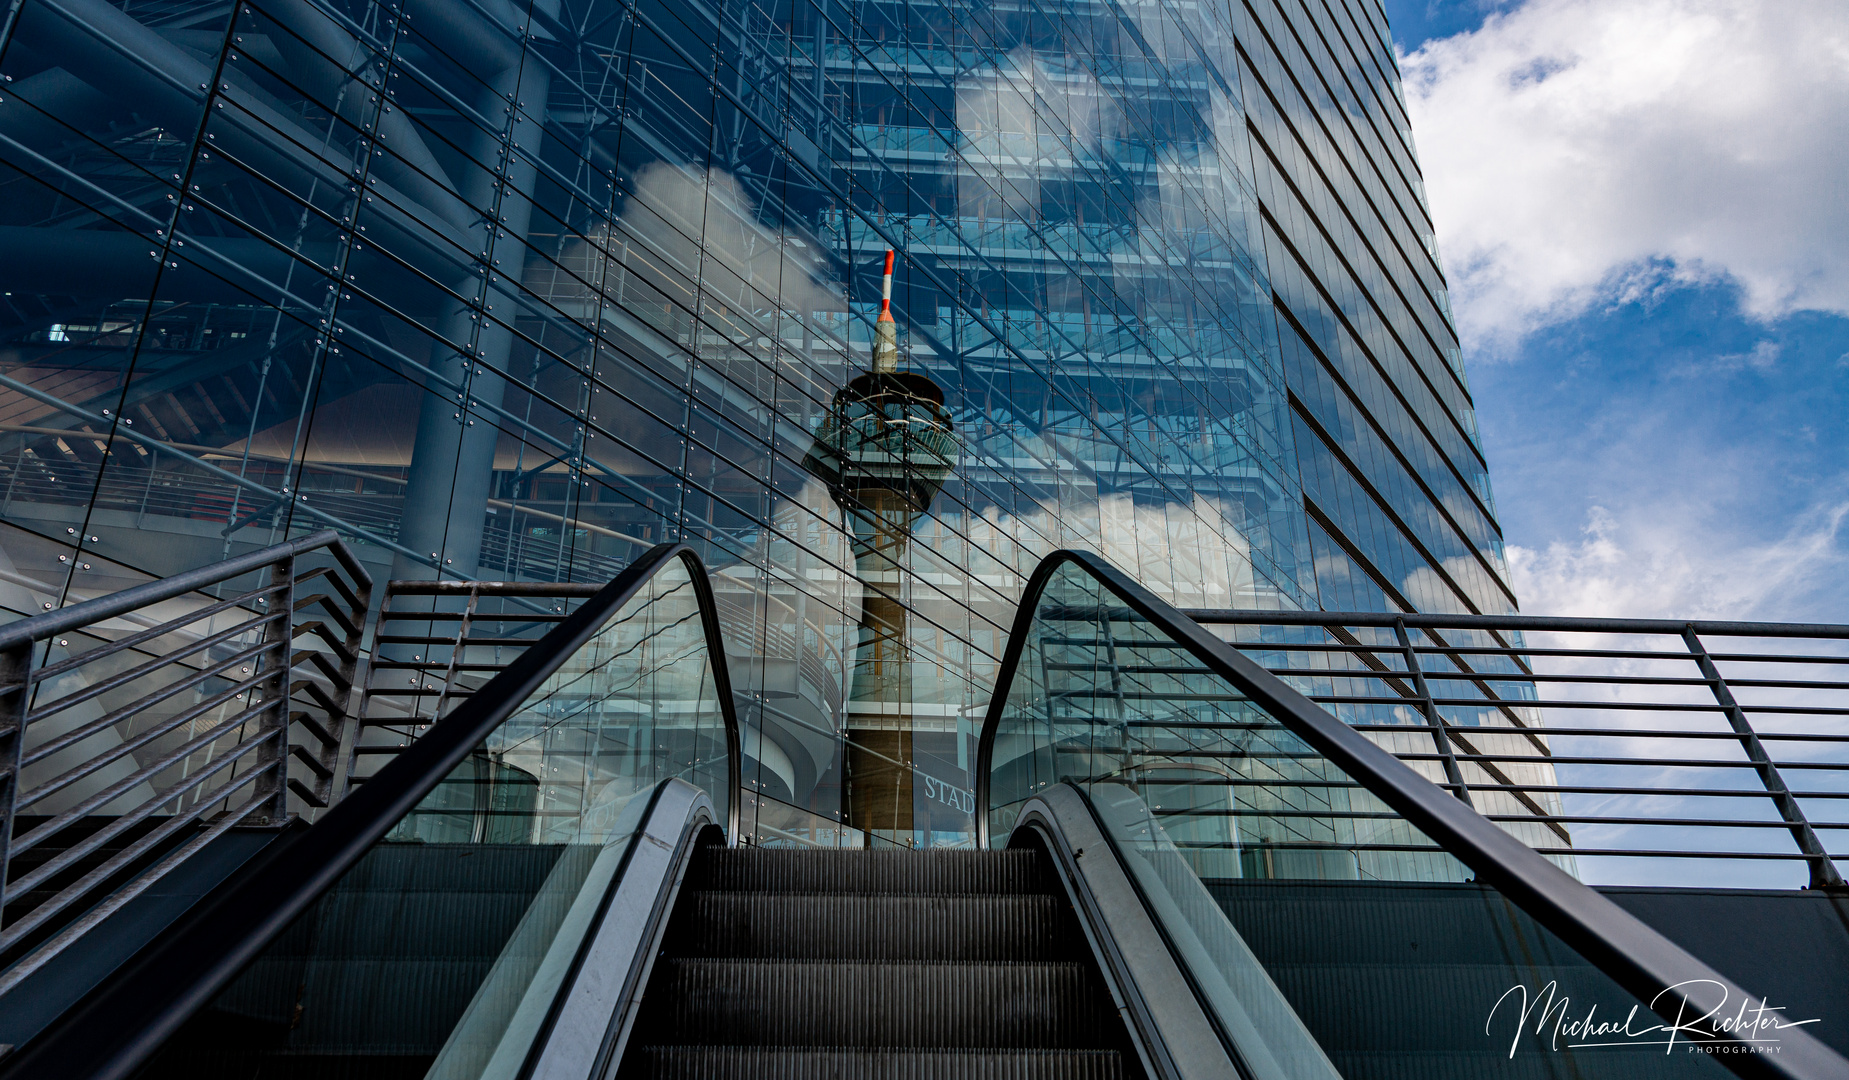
(1823, 872)
(463, 627)
(1453, 774)
(15, 700)
(346, 733)
(278, 634)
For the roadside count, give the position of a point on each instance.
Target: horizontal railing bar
(433, 666)
(1786, 684)
(1541, 819)
(1463, 730)
(141, 813)
(1580, 789)
(1576, 733)
(1680, 652)
(339, 583)
(1678, 823)
(1512, 703)
(110, 648)
(351, 564)
(128, 784)
(141, 704)
(1315, 845)
(38, 714)
(566, 589)
(1672, 853)
(329, 608)
(63, 620)
(1627, 763)
(1550, 703)
(1495, 677)
(1715, 793)
(1423, 621)
(116, 900)
(1776, 658)
(410, 639)
(1391, 654)
(1300, 845)
(1640, 763)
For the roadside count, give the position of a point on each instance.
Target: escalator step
(776, 1063)
(914, 873)
(822, 1003)
(795, 926)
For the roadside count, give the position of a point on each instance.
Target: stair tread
(891, 965)
(672, 1062)
(878, 927)
(915, 873)
(906, 1003)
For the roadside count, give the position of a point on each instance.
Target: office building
(513, 292)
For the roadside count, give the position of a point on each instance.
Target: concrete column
(452, 460)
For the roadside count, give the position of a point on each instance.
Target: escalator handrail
(1635, 955)
(1176, 1033)
(121, 1025)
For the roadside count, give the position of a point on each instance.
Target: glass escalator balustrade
(442, 950)
(1324, 934)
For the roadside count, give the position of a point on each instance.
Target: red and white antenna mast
(886, 332)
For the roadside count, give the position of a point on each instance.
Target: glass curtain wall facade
(513, 290)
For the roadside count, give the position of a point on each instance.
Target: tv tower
(885, 449)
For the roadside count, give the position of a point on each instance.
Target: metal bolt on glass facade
(513, 291)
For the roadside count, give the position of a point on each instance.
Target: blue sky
(1637, 202)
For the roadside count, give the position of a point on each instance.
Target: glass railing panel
(1101, 693)
(440, 952)
(1322, 932)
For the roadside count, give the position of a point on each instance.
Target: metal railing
(130, 1017)
(1637, 957)
(439, 642)
(1645, 751)
(139, 727)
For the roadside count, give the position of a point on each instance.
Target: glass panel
(1324, 932)
(440, 952)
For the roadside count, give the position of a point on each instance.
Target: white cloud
(1569, 142)
(1656, 562)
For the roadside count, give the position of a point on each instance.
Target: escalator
(785, 964)
(548, 884)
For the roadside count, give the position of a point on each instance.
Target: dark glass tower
(515, 290)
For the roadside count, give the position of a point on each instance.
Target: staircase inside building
(930, 965)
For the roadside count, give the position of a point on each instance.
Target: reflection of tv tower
(885, 449)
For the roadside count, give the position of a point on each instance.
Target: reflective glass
(513, 290)
(442, 950)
